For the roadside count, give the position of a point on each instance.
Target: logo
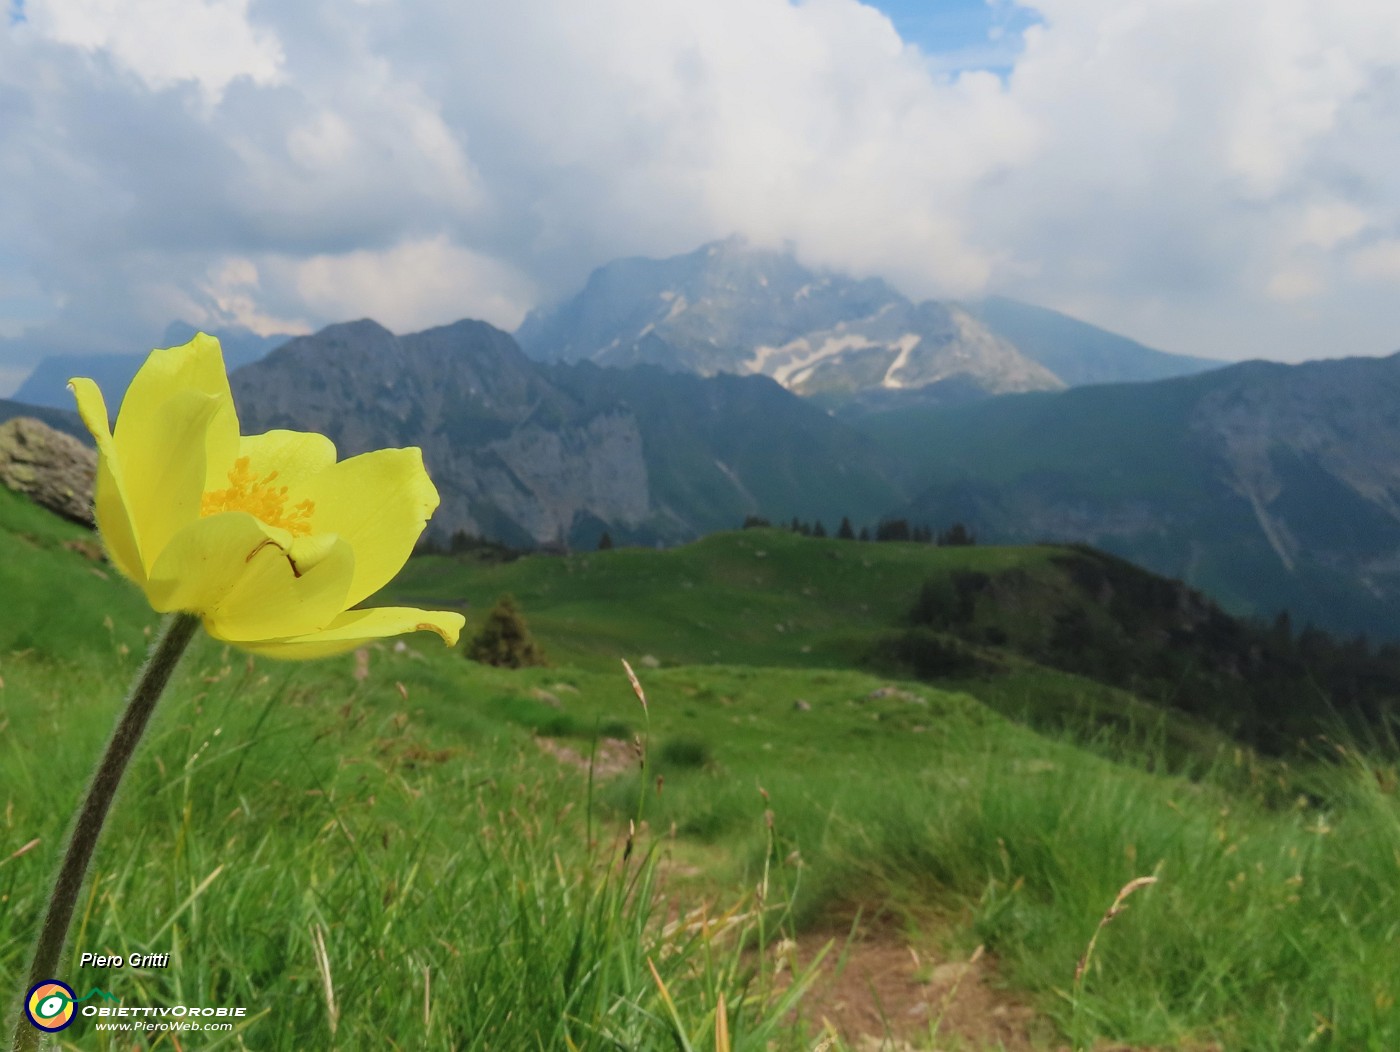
(49, 1006)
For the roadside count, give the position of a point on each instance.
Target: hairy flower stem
(175, 634)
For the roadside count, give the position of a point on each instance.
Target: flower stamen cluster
(259, 498)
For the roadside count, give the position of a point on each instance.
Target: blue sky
(970, 33)
(1218, 179)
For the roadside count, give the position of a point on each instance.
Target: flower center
(259, 498)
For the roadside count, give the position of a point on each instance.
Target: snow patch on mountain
(677, 306)
(794, 372)
(905, 343)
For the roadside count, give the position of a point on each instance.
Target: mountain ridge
(533, 454)
(47, 384)
(1077, 352)
(730, 307)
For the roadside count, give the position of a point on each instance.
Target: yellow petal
(285, 592)
(205, 561)
(109, 499)
(296, 456)
(176, 436)
(194, 366)
(379, 503)
(357, 627)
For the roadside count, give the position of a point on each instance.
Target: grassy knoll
(51, 598)
(761, 597)
(402, 860)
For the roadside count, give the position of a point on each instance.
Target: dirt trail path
(881, 995)
(878, 993)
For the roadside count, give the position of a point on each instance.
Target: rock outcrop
(52, 469)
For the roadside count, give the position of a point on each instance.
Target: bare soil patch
(611, 757)
(880, 994)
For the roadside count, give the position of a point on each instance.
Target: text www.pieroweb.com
(148, 1025)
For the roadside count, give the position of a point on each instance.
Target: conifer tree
(504, 640)
(844, 531)
(605, 542)
(892, 530)
(956, 535)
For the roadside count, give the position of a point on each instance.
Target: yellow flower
(266, 537)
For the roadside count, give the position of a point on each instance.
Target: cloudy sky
(1215, 177)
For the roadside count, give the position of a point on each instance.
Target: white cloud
(1380, 261)
(1212, 178)
(234, 289)
(1326, 224)
(11, 376)
(1200, 161)
(1294, 284)
(165, 42)
(412, 286)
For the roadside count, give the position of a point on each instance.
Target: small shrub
(685, 753)
(616, 730)
(504, 640)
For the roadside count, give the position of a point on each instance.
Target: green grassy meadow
(414, 855)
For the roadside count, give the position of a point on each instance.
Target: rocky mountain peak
(730, 307)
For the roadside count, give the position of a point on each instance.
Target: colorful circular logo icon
(49, 1005)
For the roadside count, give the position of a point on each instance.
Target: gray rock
(880, 693)
(54, 470)
(546, 697)
(802, 705)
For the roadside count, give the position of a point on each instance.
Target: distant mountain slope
(1269, 486)
(526, 453)
(1077, 352)
(728, 307)
(58, 419)
(48, 383)
(720, 448)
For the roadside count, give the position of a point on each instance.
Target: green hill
(60, 596)
(761, 596)
(409, 846)
(1000, 622)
